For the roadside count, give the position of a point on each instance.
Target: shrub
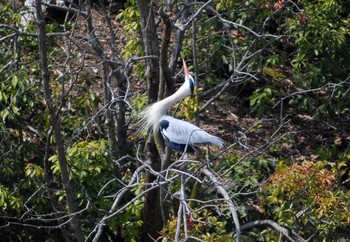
(307, 197)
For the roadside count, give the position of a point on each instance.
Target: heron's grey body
(182, 136)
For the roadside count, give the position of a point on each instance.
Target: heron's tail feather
(216, 141)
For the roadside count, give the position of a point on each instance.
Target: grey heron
(179, 135)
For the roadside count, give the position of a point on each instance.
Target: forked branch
(221, 189)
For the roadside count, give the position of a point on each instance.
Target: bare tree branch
(117, 200)
(292, 236)
(221, 189)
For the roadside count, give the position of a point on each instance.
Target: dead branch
(221, 189)
(292, 236)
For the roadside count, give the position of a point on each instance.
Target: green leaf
(15, 110)
(4, 113)
(14, 81)
(253, 101)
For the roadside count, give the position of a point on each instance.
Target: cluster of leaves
(130, 18)
(130, 221)
(90, 171)
(188, 108)
(203, 225)
(307, 54)
(9, 203)
(261, 100)
(246, 175)
(311, 56)
(306, 197)
(19, 174)
(88, 160)
(14, 84)
(139, 102)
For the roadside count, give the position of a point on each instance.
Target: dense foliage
(306, 195)
(273, 82)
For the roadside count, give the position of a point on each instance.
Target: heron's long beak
(185, 68)
(187, 74)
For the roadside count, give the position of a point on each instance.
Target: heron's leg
(209, 154)
(197, 152)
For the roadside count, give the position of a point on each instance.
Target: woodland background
(273, 82)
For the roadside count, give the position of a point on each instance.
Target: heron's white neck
(153, 113)
(168, 102)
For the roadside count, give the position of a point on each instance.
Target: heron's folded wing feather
(182, 132)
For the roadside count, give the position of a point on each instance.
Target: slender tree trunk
(152, 209)
(178, 41)
(166, 87)
(110, 125)
(110, 118)
(152, 216)
(164, 71)
(55, 123)
(120, 147)
(122, 126)
(151, 46)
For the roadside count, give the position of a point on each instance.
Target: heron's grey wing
(178, 131)
(182, 132)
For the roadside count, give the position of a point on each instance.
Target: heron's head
(163, 125)
(188, 78)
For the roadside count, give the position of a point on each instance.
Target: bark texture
(42, 39)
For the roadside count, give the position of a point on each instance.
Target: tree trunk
(151, 47)
(179, 36)
(164, 73)
(152, 209)
(120, 147)
(109, 119)
(55, 123)
(152, 216)
(122, 126)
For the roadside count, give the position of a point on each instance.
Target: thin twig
(292, 236)
(221, 189)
